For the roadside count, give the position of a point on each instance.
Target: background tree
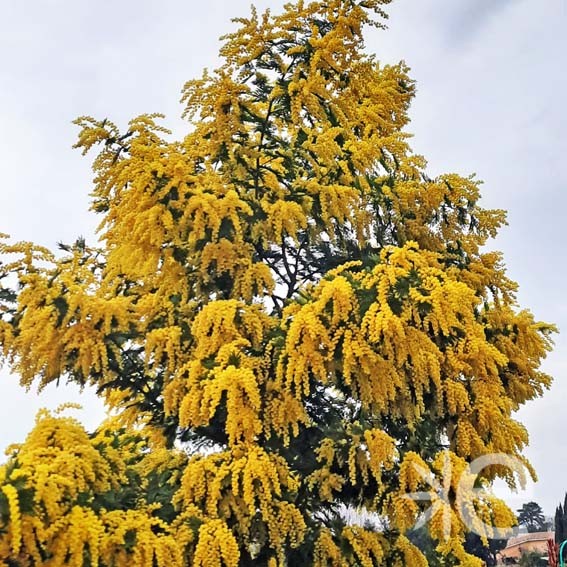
(561, 523)
(287, 316)
(532, 559)
(531, 515)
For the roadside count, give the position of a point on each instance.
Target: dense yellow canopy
(284, 313)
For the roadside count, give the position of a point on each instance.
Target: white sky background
(492, 83)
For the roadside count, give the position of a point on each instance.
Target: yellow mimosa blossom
(287, 319)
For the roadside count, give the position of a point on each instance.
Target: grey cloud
(471, 16)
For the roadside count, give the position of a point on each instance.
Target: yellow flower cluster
(411, 555)
(240, 484)
(52, 484)
(15, 518)
(224, 332)
(216, 546)
(327, 553)
(283, 414)
(60, 313)
(368, 546)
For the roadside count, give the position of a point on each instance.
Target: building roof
(523, 538)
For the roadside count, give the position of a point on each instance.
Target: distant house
(524, 543)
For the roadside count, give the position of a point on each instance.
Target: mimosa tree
(288, 319)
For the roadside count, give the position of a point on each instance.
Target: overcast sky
(491, 77)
